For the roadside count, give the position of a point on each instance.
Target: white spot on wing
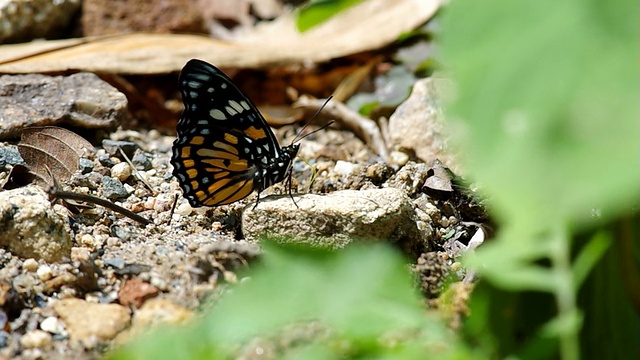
(244, 104)
(217, 114)
(210, 90)
(230, 110)
(236, 106)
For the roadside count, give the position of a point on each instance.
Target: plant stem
(565, 292)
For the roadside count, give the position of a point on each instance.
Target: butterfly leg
(289, 186)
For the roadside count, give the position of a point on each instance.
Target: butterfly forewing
(225, 149)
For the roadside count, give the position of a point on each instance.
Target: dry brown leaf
(54, 149)
(369, 25)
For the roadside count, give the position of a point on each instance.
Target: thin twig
(60, 194)
(173, 208)
(137, 173)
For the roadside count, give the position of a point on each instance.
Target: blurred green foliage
(364, 296)
(546, 115)
(317, 11)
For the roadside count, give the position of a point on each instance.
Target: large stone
(81, 99)
(417, 126)
(334, 220)
(30, 227)
(91, 323)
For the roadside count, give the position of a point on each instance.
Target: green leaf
(320, 10)
(362, 294)
(589, 256)
(547, 104)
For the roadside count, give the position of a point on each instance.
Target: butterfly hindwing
(224, 149)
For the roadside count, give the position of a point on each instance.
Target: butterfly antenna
(300, 136)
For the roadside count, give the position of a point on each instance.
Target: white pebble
(52, 325)
(184, 209)
(399, 158)
(30, 265)
(344, 168)
(44, 272)
(35, 339)
(121, 171)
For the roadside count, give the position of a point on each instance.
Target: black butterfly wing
(212, 99)
(212, 166)
(224, 144)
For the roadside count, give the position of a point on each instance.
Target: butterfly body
(224, 149)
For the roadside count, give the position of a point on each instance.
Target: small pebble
(163, 202)
(35, 339)
(113, 189)
(44, 272)
(85, 165)
(184, 209)
(51, 325)
(30, 265)
(81, 254)
(141, 161)
(87, 240)
(399, 158)
(150, 203)
(121, 171)
(105, 160)
(344, 168)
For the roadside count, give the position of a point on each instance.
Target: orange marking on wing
(192, 173)
(197, 140)
(255, 133)
(231, 139)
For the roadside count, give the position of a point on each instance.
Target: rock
(154, 312)
(30, 265)
(416, 127)
(35, 339)
(44, 272)
(81, 99)
(135, 292)
(336, 219)
(113, 189)
(85, 165)
(90, 323)
(52, 325)
(105, 160)
(112, 147)
(24, 21)
(105, 17)
(29, 226)
(121, 171)
(410, 178)
(141, 161)
(9, 155)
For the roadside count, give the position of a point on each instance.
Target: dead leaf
(54, 149)
(439, 180)
(366, 26)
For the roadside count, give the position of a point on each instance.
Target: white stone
(35, 339)
(52, 325)
(121, 171)
(44, 272)
(30, 265)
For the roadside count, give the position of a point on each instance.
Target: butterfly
(224, 148)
